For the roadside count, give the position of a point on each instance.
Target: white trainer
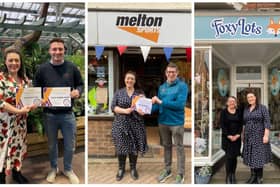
(52, 175)
(72, 177)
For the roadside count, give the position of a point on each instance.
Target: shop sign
(141, 28)
(236, 28)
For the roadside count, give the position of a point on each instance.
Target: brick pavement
(36, 169)
(103, 171)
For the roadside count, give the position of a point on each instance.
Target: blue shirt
(172, 108)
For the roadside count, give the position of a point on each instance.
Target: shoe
(3, 177)
(233, 178)
(133, 161)
(120, 174)
(259, 179)
(164, 175)
(52, 175)
(253, 177)
(179, 179)
(134, 174)
(121, 171)
(72, 177)
(228, 178)
(18, 177)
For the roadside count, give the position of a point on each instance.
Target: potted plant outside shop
(203, 175)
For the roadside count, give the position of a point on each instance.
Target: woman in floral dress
(13, 127)
(256, 147)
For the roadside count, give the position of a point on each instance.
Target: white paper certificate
(28, 96)
(144, 104)
(57, 96)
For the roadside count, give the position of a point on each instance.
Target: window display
(220, 87)
(201, 84)
(274, 101)
(98, 94)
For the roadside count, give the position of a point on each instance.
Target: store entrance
(243, 89)
(150, 75)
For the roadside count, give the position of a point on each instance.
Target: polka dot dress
(128, 131)
(255, 152)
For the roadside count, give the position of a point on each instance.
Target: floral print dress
(128, 131)
(255, 152)
(13, 129)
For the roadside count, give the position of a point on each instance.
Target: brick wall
(100, 138)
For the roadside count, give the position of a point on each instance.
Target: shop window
(274, 101)
(99, 78)
(220, 91)
(201, 108)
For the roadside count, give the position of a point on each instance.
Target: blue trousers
(67, 124)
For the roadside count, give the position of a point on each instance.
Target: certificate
(28, 96)
(57, 96)
(144, 104)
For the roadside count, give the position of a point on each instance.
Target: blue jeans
(67, 124)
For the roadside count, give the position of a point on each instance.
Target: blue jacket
(174, 97)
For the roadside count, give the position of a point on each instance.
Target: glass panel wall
(220, 91)
(98, 85)
(201, 86)
(274, 100)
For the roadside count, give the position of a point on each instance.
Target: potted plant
(203, 175)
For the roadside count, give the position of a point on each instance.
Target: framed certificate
(57, 96)
(143, 103)
(28, 96)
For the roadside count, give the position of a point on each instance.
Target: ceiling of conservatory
(65, 20)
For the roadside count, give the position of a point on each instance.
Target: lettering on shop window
(241, 26)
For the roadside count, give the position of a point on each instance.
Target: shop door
(242, 90)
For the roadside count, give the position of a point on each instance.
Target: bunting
(189, 54)
(99, 51)
(145, 51)
(121, 49)
(168, 52)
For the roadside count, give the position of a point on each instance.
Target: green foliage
(79, 61)
(35, 119)
(205, 171)
(33, 56)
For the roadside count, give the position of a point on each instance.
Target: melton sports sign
(140, 28)
(147, 27)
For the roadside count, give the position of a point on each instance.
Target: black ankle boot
(253, 177)
(233, 178)
(3, 177)
(121, 170)
(259, 179)
(133, 172)
(18, 177)
(228, 178)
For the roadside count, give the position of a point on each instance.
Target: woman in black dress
(231, 123)
(128, 129)
(256, 148)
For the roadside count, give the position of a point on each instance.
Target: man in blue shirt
(170, 103)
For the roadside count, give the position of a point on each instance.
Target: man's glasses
(169, 72)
